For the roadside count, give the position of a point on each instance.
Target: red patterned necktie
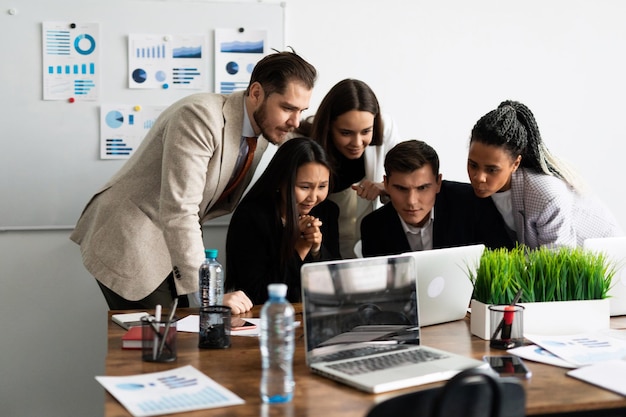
(244, 169)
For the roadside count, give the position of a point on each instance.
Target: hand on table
(238, 301)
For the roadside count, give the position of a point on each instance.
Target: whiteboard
(50, 160)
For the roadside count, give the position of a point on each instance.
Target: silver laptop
(362, 327)
(443, 282)
(615, 249)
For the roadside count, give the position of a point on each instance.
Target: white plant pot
(549, 318)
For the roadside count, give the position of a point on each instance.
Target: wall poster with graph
(71, 64)
(83, 81)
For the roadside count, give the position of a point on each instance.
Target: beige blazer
(146, 221)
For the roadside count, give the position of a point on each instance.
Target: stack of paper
(608, 375)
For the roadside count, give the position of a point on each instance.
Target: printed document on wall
(167, 61)
(71, 63)
(123, 127)
(236, 53)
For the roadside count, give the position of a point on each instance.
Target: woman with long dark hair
(283, 221)
(356, 136)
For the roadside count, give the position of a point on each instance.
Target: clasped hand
(310, 235)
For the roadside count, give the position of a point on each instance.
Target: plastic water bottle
(277, 346)
(211, 280)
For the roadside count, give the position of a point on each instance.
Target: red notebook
(132, 338)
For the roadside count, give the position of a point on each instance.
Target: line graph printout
(173, 391)
(71, 63)
(236, 53)
(167, 61)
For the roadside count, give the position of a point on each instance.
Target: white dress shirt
(420, 238)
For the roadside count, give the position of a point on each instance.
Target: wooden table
(238, 368)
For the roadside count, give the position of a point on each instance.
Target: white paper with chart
(586, 348)
(172, 391)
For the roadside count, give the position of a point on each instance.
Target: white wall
(53, 318)
(436, 67)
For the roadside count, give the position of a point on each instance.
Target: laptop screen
(360, 300)
(444, 286)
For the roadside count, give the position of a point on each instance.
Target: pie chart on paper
(114, 119)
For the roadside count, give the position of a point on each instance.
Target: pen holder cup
(214, 327)
(158, 340)
(507, 324)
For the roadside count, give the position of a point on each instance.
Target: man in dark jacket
(426, 212)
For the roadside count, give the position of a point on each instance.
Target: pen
(167, 325)
(157, 319)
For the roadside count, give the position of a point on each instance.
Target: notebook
(615, 249)
(443, 282)
(362, 327)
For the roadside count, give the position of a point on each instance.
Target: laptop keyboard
(358, 352)
(390, 360)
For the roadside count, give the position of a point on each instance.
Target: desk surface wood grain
(238, 368)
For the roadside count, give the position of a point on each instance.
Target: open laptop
(443, 282)
(615, 249)
(362, 326)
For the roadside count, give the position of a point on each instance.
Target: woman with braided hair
(540, 200)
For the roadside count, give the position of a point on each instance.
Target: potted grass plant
(564, 290)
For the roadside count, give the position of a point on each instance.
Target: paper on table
(585, 348)
(608, 375)
(127, 320)
(538, 354)
(191, 324)
(173, 391)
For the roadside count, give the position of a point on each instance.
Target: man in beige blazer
(140, 235)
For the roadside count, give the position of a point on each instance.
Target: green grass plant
(543, 274)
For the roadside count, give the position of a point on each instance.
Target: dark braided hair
(512, 126)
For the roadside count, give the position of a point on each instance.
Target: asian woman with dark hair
(283, 221)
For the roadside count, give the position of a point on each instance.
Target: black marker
(509, 315)
(506, 342)
(515, 301)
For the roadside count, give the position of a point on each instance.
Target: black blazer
(461, 218)
(253, 244)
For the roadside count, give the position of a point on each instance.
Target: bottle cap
(210, 253)
(277, 290)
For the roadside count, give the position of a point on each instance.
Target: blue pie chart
(161, 76)
(232, 68)
(139, 76)
(114, 119)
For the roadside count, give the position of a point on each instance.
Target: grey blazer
(549, 213)
(146, 221)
